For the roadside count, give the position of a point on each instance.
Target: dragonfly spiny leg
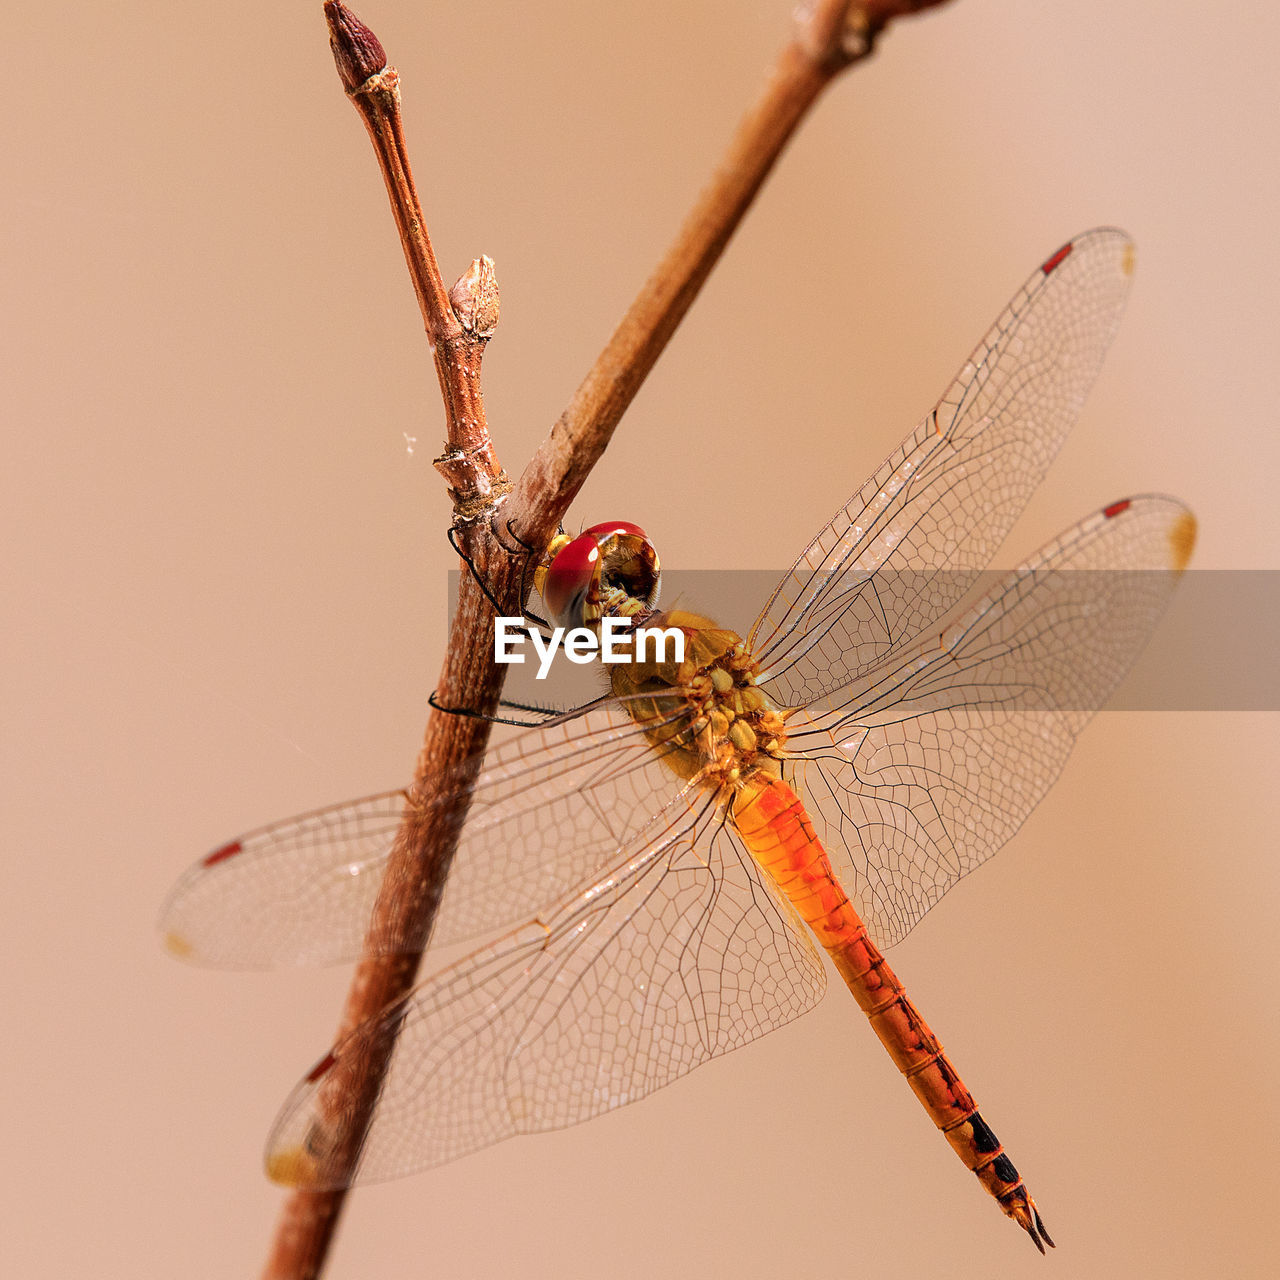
(527, 547)
(497, 608)
(452, 535)
(549, 714)
(531, 622)
(544, 713)
(533, 556)
(529, 618)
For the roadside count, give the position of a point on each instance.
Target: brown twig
(829, 36)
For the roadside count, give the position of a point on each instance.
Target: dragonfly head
(610, 569)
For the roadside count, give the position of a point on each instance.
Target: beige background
(224, 583)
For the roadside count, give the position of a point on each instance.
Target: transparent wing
(551, 810)
(681, 954)
(917, 774)
(950, 493)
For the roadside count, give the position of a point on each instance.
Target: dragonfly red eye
(569, 578)
(603, 531)
(601, 562)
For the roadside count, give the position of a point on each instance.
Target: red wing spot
(221, 855)
(1116, 508)
(321, 1067)
(1056, 261)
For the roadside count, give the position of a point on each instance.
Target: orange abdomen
(775, 827)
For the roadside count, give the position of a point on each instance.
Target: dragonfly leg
(452, 535)
(521, 545)
(541, 715)
(537, 715)
(529, 558)
(532, 556)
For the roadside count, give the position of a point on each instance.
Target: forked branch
(829, 35)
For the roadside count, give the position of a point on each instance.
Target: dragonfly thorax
(705, 714)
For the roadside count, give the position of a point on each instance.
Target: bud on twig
(475, 298)
(356, 50)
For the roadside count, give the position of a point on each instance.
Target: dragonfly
(652, 880)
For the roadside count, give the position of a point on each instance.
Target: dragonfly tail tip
(1022, 1209)
(1044, 1235)
(1033, 1224)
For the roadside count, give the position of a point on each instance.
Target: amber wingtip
(1182, 540)
(357, 52)
(290, 1167)
(176, 945)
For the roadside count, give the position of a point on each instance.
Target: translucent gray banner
(1213, 648)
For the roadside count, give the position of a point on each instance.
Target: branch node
(858, 36)
(474, 298)
(477, 484)
(837, 33)
(385, 82)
